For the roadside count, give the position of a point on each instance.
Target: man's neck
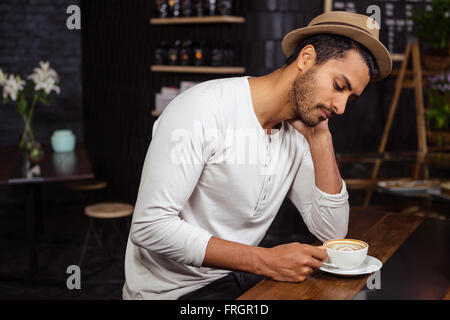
(270, 97)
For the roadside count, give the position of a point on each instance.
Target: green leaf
(22, 104)
(43, 100)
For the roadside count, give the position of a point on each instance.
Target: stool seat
(109, 210)
(85, 185)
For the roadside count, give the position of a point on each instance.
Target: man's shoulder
(218, 87)
(212, 96)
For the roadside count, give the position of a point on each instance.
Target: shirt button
(265, 197)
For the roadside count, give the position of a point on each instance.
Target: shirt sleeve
(179, 149)
(325, 215)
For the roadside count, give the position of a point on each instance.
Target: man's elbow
(332, 224)
(138, 234)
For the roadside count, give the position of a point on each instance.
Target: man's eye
(338, 88)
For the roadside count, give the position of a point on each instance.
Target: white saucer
(369, 265)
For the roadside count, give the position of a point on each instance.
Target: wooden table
(414, 252)
(56, 167)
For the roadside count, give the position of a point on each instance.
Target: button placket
(262, 198)
(267, 173)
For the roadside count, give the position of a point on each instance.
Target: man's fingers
(314, 263)
(307, 270)
(319, 253)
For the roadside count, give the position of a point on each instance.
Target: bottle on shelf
(225, 7)
(200, 54)
(187, 8)
(161, 54)
(174, 52)
(217, 56)
(198, 8)
(162, 8)
(228, 55)
(174, 8)
(186, 53)
(210, 7)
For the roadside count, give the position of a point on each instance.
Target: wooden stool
(87, 185)
(109, 211)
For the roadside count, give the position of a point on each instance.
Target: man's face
(323, 91)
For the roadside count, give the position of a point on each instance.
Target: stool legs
(86, 241)
(98, 238)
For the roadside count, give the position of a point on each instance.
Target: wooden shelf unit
(196, 20)
(198, 69)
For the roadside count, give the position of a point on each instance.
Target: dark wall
(118, 46)
(31, 31)
(112, 113)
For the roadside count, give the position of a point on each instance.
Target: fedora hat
(357, 27)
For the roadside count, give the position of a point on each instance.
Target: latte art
(345, 245)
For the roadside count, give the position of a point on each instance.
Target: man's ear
(306, 58)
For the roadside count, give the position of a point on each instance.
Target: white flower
(12, 86)
(2, 77)
(47, 85)
(45, 78)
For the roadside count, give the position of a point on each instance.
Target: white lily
(47, 85)
(12, 86)
(45, 78)
(2, 77)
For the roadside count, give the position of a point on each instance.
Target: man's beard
(302, 98)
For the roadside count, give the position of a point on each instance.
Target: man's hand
(293, 261)
(311, 132)
(326, 171)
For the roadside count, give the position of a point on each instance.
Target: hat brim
(378, 50)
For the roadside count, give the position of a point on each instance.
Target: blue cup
(63, 141)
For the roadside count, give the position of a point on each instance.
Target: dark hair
(330, 46)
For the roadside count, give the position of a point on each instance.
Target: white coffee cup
(346, 253)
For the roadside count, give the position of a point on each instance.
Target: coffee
(345, 245)
(346, 253)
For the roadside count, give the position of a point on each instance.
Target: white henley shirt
(211, 170)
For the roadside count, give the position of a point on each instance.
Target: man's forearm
(286, 262)
(233, 256)
(326, 171)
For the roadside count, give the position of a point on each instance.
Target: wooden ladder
(413, 50)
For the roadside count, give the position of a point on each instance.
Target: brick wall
(31, 31)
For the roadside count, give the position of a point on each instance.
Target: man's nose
(339, 106)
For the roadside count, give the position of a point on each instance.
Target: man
(226, 153)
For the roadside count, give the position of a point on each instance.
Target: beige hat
(357, 27)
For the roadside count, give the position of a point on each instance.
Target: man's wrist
(259, 261)
(319, 139)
